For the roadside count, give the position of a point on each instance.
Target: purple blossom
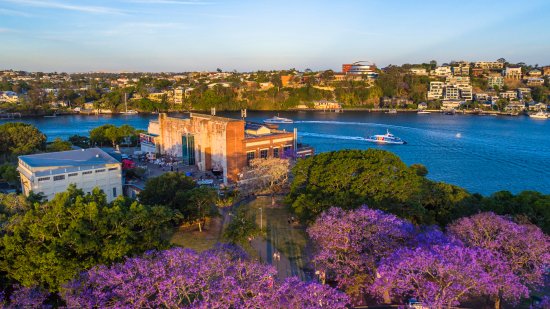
(351, 243)
(218, 278)
(445, 275)
(524, 246)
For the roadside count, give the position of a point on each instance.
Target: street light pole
(261, 219)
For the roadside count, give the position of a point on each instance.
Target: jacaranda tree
(351, 243)
(219, 278)
(525, 247)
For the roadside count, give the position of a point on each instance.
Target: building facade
(220, 144)
(52, 173)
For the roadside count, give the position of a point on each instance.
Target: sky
(197, 35)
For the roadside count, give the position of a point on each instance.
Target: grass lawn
(199, 241)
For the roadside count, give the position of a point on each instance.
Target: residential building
(535, 73)
(546, 71)
(466, 93)
(179, 95)
(9, 97)
(477, 72)
(495, 80)
(489, 65)
(419, 71)
(327, 105)
(452, 92)
(450, 104)
(462, 70)
(286, 80)
(422, 105)
(436, 90)
(515, 106)
(51, 173)
(510, 94)
(442, 71)
(534, 81)
(513, 73)
(220, 144)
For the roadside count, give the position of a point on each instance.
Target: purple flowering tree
(351, 243)
(524, 246)
(23, 297)
(445, 275)
(218, 278)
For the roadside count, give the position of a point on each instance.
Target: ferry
(387, 138)
(276, 119)
(540, 115)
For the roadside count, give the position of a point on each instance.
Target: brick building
(221, 144)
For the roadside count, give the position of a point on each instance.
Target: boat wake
(332, 136)
(367, 124)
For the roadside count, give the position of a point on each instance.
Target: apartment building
(419, 71)
(436, 90)
(495, 80)
(489, 65)
(179, 95)
(452, 92)
(52, 173)
(510, 94)
(513, 73)
(463, 70)
(442, 71)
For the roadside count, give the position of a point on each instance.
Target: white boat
(130, 112)
(392, 111)
(423, 112)
(276, 119)
(540, 115)
(387, 138)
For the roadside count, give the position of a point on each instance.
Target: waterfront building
(452, 92)
(219, 144)
(510, 94)
(436, 90)
(513, 73)
(450, 104)
(9, 97)
(51, 173)
(462, 70)
(489, 65)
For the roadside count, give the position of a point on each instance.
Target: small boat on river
(277, 120)
(387, 138)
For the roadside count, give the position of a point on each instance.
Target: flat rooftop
(71, 158)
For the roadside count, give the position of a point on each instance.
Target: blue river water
(483, 154)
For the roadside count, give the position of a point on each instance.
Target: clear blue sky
(185, 35)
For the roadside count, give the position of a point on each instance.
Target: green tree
(241, 227)
(169, 189)
(17, 138)
(51, 243)
(201, 204)
(9, 173)
(59, 145)
(377, 178)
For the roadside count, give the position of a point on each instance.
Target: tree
(59, 145)
(444, 275)
(242, 227)
(169, 189)
(51, 243)
(269, 175)
(351, 244)
(17, 138)
(10, 174)
(524, 246)
(350, 178)
(181, 278)
(201, 202)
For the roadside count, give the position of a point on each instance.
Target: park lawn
(199, 241)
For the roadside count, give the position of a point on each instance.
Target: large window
(249, 156)
(114, 192)
(276, 152)
(43, 179)
(58, 177)
(263, 153)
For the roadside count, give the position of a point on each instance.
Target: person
(171, 168)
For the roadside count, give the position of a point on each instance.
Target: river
(483, 154)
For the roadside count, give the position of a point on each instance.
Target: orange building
(286, 79)
(222, 144)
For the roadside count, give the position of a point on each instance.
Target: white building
(489, 65)
(452, 93)
(419, 71)
(442, 71)
(53, 172)
(436, 90)
(512, 73)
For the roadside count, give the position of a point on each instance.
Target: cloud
(4, 30)
(9, 12)
(65, 6)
